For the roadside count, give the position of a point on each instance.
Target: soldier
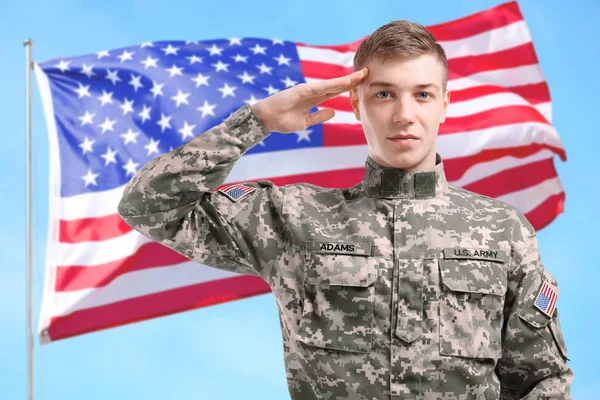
(403, 286)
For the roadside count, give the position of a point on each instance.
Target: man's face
(402, 97)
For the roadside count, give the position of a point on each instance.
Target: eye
(426, 94)
(384, 92)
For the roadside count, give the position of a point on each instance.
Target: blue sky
(234, 350)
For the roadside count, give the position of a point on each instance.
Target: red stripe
(457, 67)
(514, 179)
(547, 211)
(148, 255)
(156, 305)
(493, 18)
(510, 58)
(84, 230)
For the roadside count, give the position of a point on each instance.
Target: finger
(320, 116)
(337, 85)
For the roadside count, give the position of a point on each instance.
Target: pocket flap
(475, 272)
(341, 269)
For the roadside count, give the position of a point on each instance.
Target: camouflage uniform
(401, 287)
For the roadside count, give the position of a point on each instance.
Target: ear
(354, 102)
(446, 102)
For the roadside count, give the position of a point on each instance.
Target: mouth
(404, 140)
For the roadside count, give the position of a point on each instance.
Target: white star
(90, 178)
(87, 70)
(63, 65)
(130, 167)
(227, 91)
(181, 98)
(87, 118)
(186, 130)
(107, 125)
(282, 60)
(164, 122)
(220, 66)
(109, 156)
(251, 100)
(174, 70)
(113, 76)
(264, 69)
(247, 78)
(87, 145)
(103, 53)
(288, 82)
(257, 49)
(303, 135)
(127, 107)
(130, 136)
(145, 114)
(277, 41)
(194, 59)
(83, 91)
(149, 62)
(157, 89)
(201, 80)
(239, 58)
(152, 147)
(215, 50)
(271, 90)
(106, 97)
(170, 50)
(147, 44)
(125, 56)
(207, 109)
(262, 143)
(234, 40)
(135, 82)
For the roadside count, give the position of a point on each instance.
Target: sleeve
(171, 200)
(534, 354)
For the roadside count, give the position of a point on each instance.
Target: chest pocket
(338, 302)
(472, 302)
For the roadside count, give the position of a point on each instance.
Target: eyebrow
(388, 84)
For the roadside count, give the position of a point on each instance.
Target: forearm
(182, 176)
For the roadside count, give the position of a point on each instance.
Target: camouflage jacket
(403, 286)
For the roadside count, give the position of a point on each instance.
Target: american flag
(110, 112)
(546, 299)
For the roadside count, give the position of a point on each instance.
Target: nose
(404, 112)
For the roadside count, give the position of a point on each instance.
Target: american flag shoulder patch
(237, 191)
(546, 299)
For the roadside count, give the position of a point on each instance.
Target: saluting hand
(287, 111)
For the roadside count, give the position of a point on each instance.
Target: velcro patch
(480, 254)
(354, 248)
(237, 191)
(546, 299)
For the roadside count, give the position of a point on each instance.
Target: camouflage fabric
(401, 287)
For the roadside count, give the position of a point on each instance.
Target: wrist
(259, 111)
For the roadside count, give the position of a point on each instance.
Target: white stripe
(53, 201)
(499, 39)
(482, 170)
(528, 199)
(456, 109)
(293, 162)
(100, 252)
(508, 77)
(506, 37)
(127, 286)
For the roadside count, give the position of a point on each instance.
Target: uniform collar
(380, 181)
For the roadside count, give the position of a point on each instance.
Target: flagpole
(30, 344)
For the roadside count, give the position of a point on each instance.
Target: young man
(403, 286)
